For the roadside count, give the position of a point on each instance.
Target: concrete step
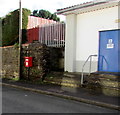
(74, 74)
(97, 83)
(107, 75)
(107, 84)
(70, 82)
(68, 79)
(104, 82)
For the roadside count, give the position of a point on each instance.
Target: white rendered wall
(86, 36)
(70, 44)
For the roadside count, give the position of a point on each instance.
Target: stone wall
(10, 64)
(40, 66)
(45, 59)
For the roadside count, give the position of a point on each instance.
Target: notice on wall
(110, 44)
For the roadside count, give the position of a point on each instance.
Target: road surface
(21, 101)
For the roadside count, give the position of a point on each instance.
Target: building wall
(88, 26)
(70, 43)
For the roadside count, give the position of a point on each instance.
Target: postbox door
(28, 62)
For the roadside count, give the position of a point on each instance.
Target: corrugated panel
(32, 34)
(37, 21)
(33, 27)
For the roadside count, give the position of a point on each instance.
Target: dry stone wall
(10, 65)
(45, 59)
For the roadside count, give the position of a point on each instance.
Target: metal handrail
(82, 74)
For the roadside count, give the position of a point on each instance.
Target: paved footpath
(78, 94)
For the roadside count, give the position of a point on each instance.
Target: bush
(10, 27)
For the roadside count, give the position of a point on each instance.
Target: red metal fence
(46, 32)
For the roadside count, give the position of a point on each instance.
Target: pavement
(77, 94)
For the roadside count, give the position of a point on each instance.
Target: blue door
(109, 51)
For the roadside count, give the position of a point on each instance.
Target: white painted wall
(86, 36)
(70, 44)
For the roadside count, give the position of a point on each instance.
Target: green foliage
(35, 13)
(10, 26)
(45, 14)
(0, 31)
(25, 14)
(54, 17)
(16, 45)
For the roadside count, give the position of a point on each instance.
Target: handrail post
(90, 64)
(82, 78)
(82, 74)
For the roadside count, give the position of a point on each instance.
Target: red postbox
(28, 61)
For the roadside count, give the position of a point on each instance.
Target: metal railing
(52, 34)
(82, 74)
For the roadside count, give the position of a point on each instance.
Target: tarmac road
(21, 101)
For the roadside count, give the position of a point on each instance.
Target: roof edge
(84, 5)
